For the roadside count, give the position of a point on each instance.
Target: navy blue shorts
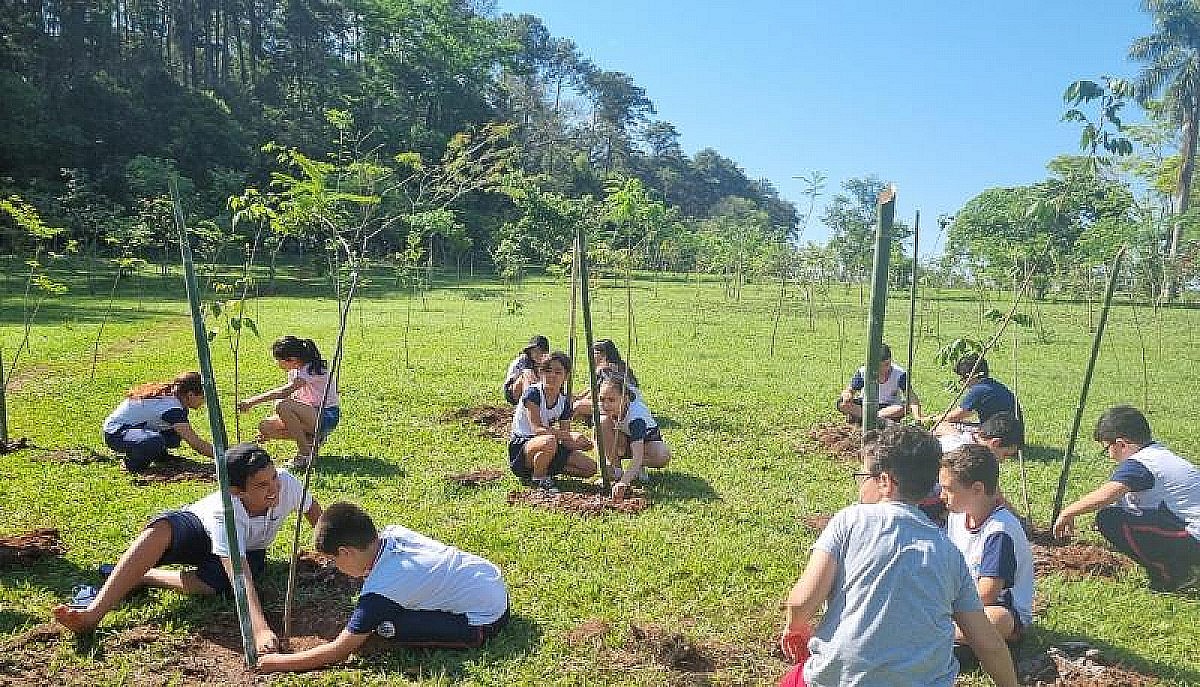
(434, 629)
(191, 545)
(516, 458)
(141, 446)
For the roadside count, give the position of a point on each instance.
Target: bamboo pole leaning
(1087, 381)
(3, 408)
(217, 424)
(586, 303)
(912, 312)
(885, 209)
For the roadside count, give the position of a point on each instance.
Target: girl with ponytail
(298, 402)
(153, 418)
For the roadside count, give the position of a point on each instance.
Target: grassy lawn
(711, 559)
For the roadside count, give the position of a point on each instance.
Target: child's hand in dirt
(266, 641)
(269, 663)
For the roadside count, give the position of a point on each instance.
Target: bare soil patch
(22, 549)
(677, 659)
(842, 440)
(14, 445)
(591, 631)
(20, 379)
(816, 522)
(1074, 560)
(577, 503)
(1076, 664)
(79, 455)
(495, 420)
(476, 477)
(177, 469)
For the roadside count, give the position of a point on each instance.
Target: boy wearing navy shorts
(417, 592)
(895, 397)
(195, 535)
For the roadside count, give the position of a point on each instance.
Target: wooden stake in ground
(217, 423)
(885, 209)
(1087, 380)
(571, 326)
(3, 406)
(594, 385)
(912, 311)
(1020, 422)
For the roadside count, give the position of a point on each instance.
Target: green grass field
(711, 559)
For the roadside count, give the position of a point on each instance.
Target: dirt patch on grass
(495, 420)
(1074, 560)
(577, 503)
(842, 440)
(79, 455)
(476, 477)
(1075, 664)
(23, 549)
(816, 522)
(29, 374)
(175, 470)
(14, 445)
(591, 631)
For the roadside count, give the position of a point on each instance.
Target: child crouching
(417, 592)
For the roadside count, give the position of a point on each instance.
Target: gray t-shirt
(887, 621)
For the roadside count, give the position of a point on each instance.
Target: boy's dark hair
(1123, 422)
(885, 353)
(964, 365)
(1006, 427)
(343, 524)
(243, 460)
(556, 357)
(911, 456)
(971, 463)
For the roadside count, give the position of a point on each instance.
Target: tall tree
(1172, 58)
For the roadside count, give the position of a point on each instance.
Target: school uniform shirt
(158, 414)
(637, 421)
(888, 618)
(254, 532)
(988, 397)
(422, 574)
(951, 442)
(1157, 478)
(310, 394)
(535, 394)
(998, 548)
(517, 366)
(891, 390)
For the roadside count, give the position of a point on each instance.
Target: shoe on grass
(546, 484)
(82, 596)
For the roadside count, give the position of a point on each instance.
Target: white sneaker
(546, 484)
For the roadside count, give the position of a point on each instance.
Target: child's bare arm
(806, 597)
(185, 432)
(336, 651)
(264, 637)
(991, 650)
(989, 589)
(272, 394)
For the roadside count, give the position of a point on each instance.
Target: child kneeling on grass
(629, 432)
(153, 418)
(893, 585)
(195, 535)
(417, 592)
(537, 449)
(990, 537)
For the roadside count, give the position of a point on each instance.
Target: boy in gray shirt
(893, 583)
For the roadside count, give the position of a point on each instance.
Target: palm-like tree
(1172, 67)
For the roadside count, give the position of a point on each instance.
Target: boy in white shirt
(195, 535)
(417, 592)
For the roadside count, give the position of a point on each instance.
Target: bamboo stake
(586, 303)
(885, 209)
(912, 312)
(3, 406)
(1021, 422)
(571, 327)
(1087, 380)
(217, 424)
(335, 373)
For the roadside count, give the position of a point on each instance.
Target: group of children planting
(929, 564)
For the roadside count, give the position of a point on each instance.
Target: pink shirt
(310, 394)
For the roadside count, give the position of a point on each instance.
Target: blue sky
(945, 99)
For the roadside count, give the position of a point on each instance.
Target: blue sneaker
(105, 569)
(82, 596)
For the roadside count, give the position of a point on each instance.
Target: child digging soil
(153, 418)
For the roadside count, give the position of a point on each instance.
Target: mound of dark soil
(175, 470)
(495, 420)
(576, 503)
(1077, 665)
(476, 477)
(842, 440)
(1074, 560)
(22, 549)
(669, 649)
(14, 445)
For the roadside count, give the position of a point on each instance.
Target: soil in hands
(1076, 664)
(1074, 560)
(475, 478)
(577, 503)
(495, 421)
(19, 550)
(842, 440)
(175, 469)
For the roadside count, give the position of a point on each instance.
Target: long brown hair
(184, 383)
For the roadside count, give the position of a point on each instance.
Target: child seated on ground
(629, 431)
(522, 371)
(1002, 435)
(893, 387)
(990, 538)
(153, 418)
(195, 535)
(893, 585)
(1149, 509)
(296, 403)
(983, 398)
(417, 592)
(609, 364)
(537, 450)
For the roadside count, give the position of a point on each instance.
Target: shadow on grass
(355, 464)
(11, 621)
(667, 485)
(1039, 639)
(1050, 454)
